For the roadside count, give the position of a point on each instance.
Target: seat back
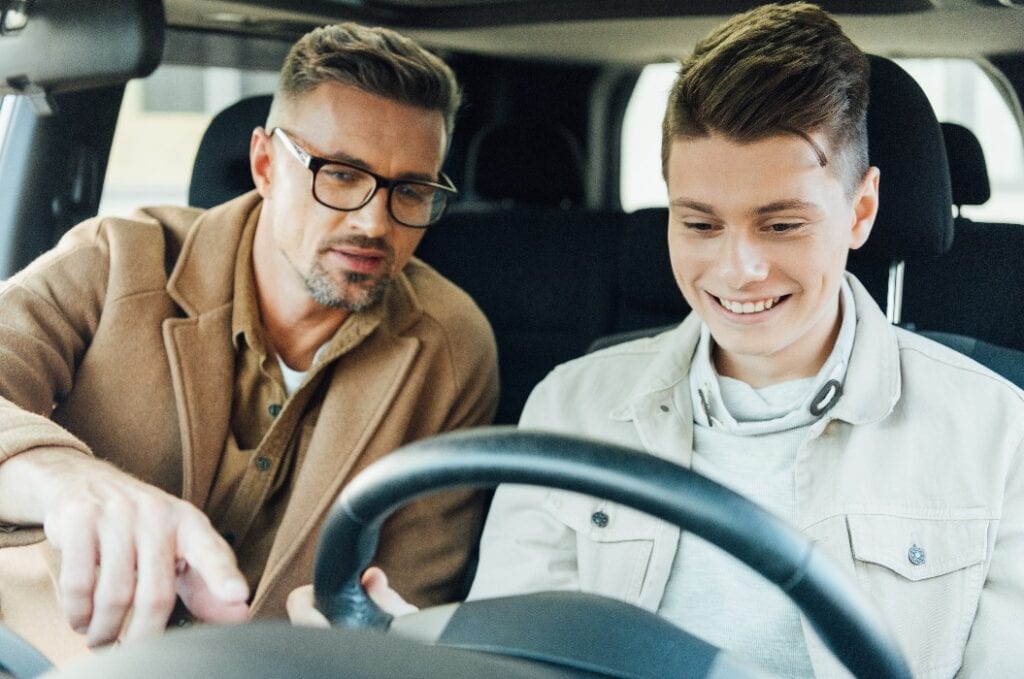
(541, 267)
(544, 277)
(969, 289)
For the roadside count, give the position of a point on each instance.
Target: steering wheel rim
(842, 616)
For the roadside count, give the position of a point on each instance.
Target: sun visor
(53, 46)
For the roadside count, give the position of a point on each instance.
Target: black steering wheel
(843, 618)
(554, 635)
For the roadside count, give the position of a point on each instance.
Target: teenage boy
(902, 459)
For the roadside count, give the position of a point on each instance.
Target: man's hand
(127, 548)
(302, 610)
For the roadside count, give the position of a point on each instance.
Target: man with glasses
(248, 360)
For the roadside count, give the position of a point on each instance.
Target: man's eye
(414, 193)
(340, 175)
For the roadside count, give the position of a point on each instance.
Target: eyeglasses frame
(315, 163)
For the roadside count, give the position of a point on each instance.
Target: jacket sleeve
(524, 547)
(48, 314)
(995, 648)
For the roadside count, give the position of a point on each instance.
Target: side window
(959, 90)
(6, 104)
(158, 130)
(641, 184)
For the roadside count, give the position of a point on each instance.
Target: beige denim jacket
(924, 448)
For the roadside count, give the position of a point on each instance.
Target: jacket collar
(873, 384)
(870, 392)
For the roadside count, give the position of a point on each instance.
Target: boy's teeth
(749, 307)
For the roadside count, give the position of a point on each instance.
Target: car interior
(538, 237)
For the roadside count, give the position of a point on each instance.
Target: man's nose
(742, 259)
(373, 219)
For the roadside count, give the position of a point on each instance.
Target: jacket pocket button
(916, 555)
(599, 519)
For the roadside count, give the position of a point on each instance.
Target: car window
(959, 90)
(161, 121)
(6, 105)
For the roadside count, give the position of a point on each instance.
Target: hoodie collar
(870, 392)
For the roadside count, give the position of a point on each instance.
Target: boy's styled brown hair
(772, 70)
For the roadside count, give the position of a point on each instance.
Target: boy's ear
(865, 208)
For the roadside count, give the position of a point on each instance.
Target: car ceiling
(639, 31)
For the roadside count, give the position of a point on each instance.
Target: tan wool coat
(117, 343)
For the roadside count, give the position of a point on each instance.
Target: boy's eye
(783, 228)
(699, 226)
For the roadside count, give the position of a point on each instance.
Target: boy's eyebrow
(783, 205)
(693, 205)
(776, 206)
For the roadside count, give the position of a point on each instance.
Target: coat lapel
(199, 348)
(352, 412)
(202, 367)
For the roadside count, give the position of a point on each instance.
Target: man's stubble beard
(350, 295)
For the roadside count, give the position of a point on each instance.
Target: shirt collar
(246, 322)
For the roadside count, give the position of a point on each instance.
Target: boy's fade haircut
(374, 59)
(776, 69)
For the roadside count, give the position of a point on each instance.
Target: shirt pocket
(613, 543)
(926, 576)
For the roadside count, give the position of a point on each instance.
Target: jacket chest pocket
(926, 575)
(613, 543)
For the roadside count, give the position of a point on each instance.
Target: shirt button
(664, 408)
(916, 555)
(263, 463)
(274, 409)
(599, 519)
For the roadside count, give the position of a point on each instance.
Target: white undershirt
(293, 379)
(747, 439)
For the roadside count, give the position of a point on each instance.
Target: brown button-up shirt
(270, 428)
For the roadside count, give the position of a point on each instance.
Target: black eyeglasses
(344, 187)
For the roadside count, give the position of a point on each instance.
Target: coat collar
(203, 277)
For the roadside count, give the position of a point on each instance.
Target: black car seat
(501, 166)
(221, 168)
(915, 220)
(540, 266)
(975, 288)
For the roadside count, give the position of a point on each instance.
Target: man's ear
(259, 160)
(865, 208)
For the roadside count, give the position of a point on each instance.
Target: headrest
(915, 215)
(221, 171)
(537, 164)
(967, 172)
